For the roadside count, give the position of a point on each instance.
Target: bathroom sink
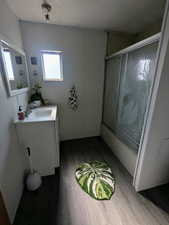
(40, 132)
(42, 113)
(47, 113)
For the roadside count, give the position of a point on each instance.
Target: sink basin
(41, 114)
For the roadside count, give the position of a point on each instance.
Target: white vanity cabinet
(40, 132)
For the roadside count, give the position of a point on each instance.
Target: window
(52, 65)
(8, 64)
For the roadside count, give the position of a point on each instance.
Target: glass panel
(8, 64)
(52, 68)
(135, 87)
(111, 92)
(15, 68)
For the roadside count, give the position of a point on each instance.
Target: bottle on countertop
(21, 114)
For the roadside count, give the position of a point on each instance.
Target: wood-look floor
(126, 207)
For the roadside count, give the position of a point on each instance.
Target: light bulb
(46, 8)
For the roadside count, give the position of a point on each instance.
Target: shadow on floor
(159, 196)
(39, 207)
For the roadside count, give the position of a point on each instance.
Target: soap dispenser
(21, 114)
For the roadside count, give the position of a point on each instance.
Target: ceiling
(119, 15)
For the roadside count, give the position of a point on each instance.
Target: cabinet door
(136, 81)
(41, 139)
(112, 92)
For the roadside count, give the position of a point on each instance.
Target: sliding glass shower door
(129, 78)
(135, 87)
(113, 69)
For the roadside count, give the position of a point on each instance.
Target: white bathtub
(126, 155)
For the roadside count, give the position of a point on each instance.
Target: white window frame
(60, 53)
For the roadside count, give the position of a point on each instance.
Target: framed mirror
(15, 69)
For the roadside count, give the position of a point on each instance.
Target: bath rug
(96, 179)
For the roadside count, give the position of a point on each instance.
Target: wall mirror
(15, 69)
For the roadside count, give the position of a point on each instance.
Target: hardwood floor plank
(72, 206)
(126, 207)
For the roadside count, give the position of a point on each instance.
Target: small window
(8, 64)
(52, 65)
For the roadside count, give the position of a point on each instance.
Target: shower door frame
(121, 53)
(160, 58)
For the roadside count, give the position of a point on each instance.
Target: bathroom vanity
(40, 132)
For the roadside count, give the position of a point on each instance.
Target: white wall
(116, 41)
(12, 161)
(9, 26)
(83, 65)
(149, 31)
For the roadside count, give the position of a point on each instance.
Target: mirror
(15, 69)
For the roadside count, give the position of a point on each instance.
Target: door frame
(162, 48)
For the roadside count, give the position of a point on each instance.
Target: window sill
(54, 80)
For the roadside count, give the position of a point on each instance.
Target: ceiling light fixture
(46, 9)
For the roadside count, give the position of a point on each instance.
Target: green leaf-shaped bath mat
(96, 179)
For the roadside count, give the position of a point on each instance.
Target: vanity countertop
(40, 114)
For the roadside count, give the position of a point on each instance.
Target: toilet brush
(33, 181)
